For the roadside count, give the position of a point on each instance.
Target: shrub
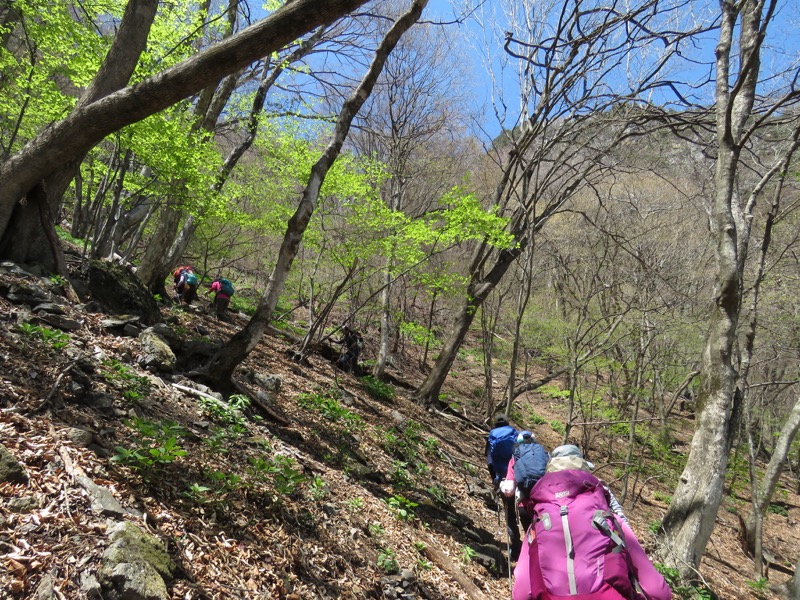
(154, 444)
(328, 404)
(387, 560)
(467, 554)
(354, 504)
(228, 413)
(402, 507)
(377, 389)
(777, 509)
(134, 386)
(54, 338)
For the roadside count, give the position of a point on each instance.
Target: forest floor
(308, 499)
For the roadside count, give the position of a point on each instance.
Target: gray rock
(60, 322)
(168, 334)
(22, 505)
(13, 269)
(407, 577)
(491, 558)
(31, 295)
(135, 566)
(271, 383)
(135, 581)
(119, 321)
(158, 354)
(82, 361)
(103, 501)
(50, 308)
(79, 437)
(10, 468)
(120, 292)
(90, 586)
(131, 330)
(44, 591)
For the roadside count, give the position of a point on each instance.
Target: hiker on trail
(527, 465)
(499, 448)
(353, 344)
(577, 545)
(186, 283)
(570, 456)
(223, 290)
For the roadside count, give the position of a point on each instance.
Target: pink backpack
(577, 548)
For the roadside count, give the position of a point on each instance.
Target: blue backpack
(530, 463)
(191, 279)
(501, 447)
(226, 287)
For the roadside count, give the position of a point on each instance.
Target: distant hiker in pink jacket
(577, 547)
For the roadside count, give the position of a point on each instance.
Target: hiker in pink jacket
(568, 475)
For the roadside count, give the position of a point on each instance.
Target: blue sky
(782, 50)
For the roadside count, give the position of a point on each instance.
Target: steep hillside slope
(327, 486)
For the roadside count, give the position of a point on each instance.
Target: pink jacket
(651, 581)
(217, 287)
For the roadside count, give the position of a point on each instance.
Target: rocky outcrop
(120, 292)
(157, 353)
(135, 566)
(10, 468)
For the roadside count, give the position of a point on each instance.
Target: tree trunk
(114, 73)
(479, 288)
(151, 271)
(220, 368)
(522, 304)
(772, 474)
(691, 515)
(87, 125)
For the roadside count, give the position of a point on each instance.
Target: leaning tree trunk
(478, 290)
(85, 126)
(25, 240)
(771, 476)
(219, 369)
(690, 518)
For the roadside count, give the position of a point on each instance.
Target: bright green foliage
(355, 505)
(376, 529)
(286, 478)
(134, 386)
(223, 482)
(467, 554)
(424, 565)
(328, 404)
(153, 444)
(403, 507)
(400, 476)
(377, 388)
(439, 494)
(418, 334)
(387, 560)
(318, 488)
(680, 590)
(228, 413)
(52, 337)
(777, 509)
(759, 587)
(197, 492)
(465, 219)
